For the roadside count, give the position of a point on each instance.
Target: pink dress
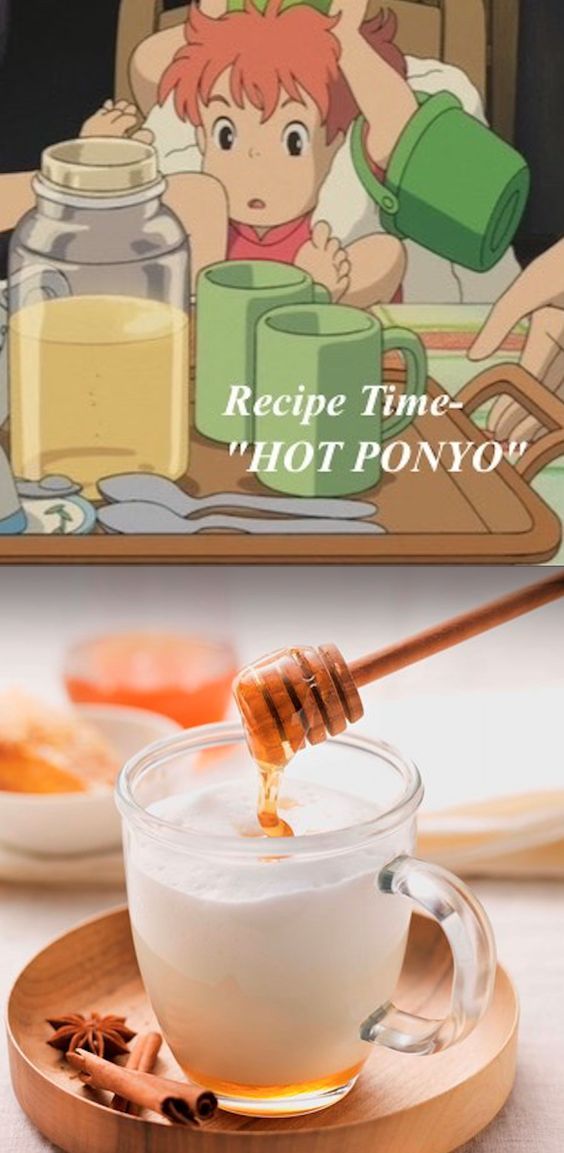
(281, 243)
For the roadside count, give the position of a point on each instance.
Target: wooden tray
(401, 1104)
(430, 518)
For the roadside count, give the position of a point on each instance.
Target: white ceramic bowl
(67, 824)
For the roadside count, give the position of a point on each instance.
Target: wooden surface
(431, 518)
(504, 61)
(137, 19)
(401, 1104)
(464, 40)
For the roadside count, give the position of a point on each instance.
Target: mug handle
(321, 294)
(411, 348)
(468, 931)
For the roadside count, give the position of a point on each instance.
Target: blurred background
(57, 65)
(483, 720)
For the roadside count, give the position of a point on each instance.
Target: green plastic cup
(452, 185)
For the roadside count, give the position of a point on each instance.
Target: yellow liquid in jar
(99, 386)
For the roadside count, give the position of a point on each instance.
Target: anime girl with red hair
(272, 95)
(271, 90)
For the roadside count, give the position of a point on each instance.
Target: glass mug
(271, 965)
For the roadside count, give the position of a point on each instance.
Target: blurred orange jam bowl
(187, 678)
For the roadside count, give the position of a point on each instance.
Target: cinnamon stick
(142, 1058)
(176, 1100)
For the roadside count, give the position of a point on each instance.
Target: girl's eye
(295, 138)
(224, 134)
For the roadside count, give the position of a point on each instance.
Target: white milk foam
(262, 968)
(229, 809)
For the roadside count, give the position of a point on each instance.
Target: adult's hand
(539, 293)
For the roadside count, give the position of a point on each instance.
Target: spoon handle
(295, 527)
(161, 491)
(143, 517)
(301, 506)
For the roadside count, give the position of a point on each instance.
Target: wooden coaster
(401, 1103)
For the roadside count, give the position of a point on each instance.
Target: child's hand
(326, 261)
(116, 120)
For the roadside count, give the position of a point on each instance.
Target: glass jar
(186, 677)
(271, 965)
(99, 283)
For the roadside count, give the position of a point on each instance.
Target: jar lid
(100, 165)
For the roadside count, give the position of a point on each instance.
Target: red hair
(268, 53)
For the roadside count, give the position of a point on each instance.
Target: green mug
(231, 297)
(334, 352)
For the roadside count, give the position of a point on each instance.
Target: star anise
(103, 1036)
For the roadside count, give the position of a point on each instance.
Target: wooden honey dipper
(308, 694)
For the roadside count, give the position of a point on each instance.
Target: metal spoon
(144, 518)
(159, 490)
